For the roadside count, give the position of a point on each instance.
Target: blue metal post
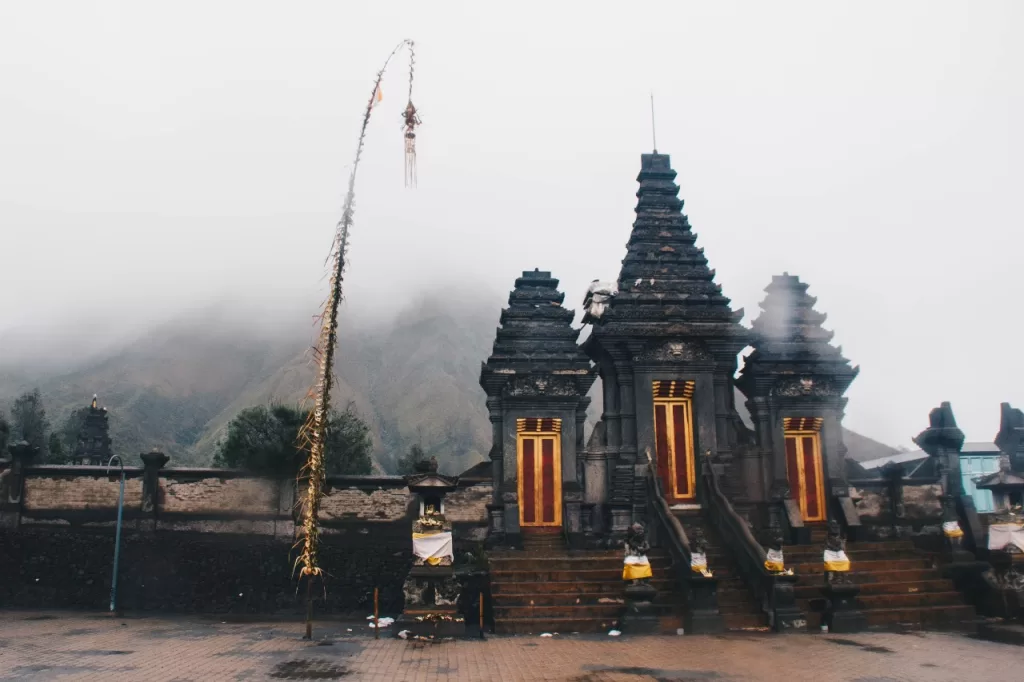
(117, 535)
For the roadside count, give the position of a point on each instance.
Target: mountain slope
(414, 381)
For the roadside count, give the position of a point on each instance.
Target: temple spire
(665, 278)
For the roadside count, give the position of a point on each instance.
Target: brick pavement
(36, 646)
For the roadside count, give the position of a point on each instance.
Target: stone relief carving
(804, 386)
(530, 386)
(675, 351)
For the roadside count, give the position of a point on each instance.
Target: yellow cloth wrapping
(636, 567)
(774, 561)
(836, 561)
(636, 571)
(951, 529)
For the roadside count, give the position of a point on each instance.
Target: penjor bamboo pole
(312, 435)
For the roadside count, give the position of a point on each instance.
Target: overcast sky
(160, 156)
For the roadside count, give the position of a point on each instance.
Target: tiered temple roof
(536, 337)
(94, 438)
(665, 286)
(788, 339)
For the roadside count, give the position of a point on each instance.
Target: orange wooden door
(540, 479)
(803, 467)
(673, 434)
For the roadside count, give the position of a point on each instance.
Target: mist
(161, 161)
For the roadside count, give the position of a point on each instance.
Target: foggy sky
(157, 157)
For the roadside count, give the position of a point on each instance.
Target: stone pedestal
(785, 615)
(841, 611)
(431, 609)
(702, 616)
(640, 616)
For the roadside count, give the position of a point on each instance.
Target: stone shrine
(431, 588)
(93, 447)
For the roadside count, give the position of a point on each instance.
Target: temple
(93, 447)
(753, 520)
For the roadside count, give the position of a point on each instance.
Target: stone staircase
(736, 603)
(900, 587)
(552, 589)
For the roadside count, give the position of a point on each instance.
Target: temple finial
(94, 401)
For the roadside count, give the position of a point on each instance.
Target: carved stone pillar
(627, 417)
(152, 463)
(12, 483)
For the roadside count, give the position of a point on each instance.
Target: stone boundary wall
(219, 501)
(208, 540)
(919, 516)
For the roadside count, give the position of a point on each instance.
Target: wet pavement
(74, 646)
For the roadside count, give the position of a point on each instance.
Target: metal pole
(654, 134)
(309, 607)
(376, 614)
(481, 615)
(117, 534)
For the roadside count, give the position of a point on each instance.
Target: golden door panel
(540, 467)
(804, 467)
(673, 435)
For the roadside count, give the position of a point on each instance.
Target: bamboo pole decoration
(313, 434)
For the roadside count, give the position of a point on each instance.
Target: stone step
(862, 567)
(614, 587)
(910, 587)
(893, 545)
(601, 612)
(960, 617)
(899, 601)
(744, 621)
(575, 563)
(855, 556)
(565, 575)
(562, 599)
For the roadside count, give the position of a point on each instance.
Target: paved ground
(37, 646)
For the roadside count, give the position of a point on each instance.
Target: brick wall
(469, 504)
(353, 503)
(211, 495)
(79, 493)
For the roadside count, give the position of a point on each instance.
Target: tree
(5, 433)
(70, 430)
(57, 453)
(30, 422)
(407, 464)
(264, 440)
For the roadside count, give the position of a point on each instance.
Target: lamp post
(117, 535)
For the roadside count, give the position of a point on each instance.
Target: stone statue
(837, 564)
(414, 591)
(447, 593)
(774, 559)
(699, 553)
(636, 567)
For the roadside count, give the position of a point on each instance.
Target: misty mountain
(414, 380)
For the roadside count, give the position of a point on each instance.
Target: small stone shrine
(93, 447)
(431, 589)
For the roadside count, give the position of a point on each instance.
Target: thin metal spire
(654, 135)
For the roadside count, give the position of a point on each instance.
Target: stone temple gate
(671, 449)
